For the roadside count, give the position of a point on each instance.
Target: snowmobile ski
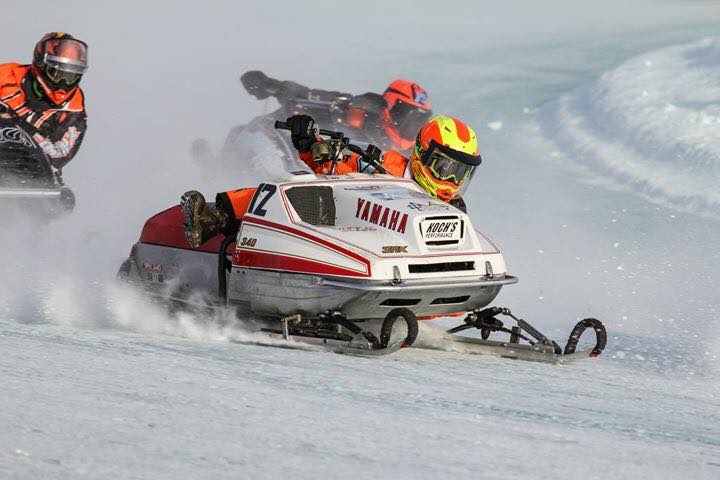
(537, 347)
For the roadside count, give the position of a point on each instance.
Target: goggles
(58, 77)
(449, 165)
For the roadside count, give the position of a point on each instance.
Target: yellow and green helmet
(445, 157)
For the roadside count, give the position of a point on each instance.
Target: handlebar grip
(281, 125)
(332, 134)
(356, 149)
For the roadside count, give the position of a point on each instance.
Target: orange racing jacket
(57, 129)
(394, 162)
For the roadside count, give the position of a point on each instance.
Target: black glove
(259, 85)
(302, 131)
(369, 162)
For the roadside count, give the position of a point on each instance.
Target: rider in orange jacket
(444, 156)
(389, 120)
(45, 99)
(442, 163)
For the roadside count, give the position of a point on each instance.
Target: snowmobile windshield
(66, 55)
(19, 157)
(409, 119)
(450, 166)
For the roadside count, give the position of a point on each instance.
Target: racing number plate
(441, 229)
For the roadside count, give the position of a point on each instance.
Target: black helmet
(59, 62)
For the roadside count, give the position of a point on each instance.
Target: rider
(443, 159)
(442, 162)
(44, 98)
(390, 120)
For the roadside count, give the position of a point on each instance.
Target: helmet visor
(66, 55)
(408, 118)
(449, 166)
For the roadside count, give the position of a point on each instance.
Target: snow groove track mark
(652, 124)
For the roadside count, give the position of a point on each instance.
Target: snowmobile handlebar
(328, 133)
(370, 155)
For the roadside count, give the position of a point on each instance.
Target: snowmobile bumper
(54, 198)
(278, 294)
(409, 285)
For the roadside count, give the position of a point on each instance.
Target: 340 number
(248, 242)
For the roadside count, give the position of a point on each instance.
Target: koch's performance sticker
(441, 229)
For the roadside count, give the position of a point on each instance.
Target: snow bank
(652, 124)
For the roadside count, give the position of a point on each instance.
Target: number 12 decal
(261, 197)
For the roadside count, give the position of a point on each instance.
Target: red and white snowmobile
(320, 258)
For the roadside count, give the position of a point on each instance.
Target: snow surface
(652, 124)
(95, 383)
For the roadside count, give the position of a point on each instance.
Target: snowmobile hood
(377, 227)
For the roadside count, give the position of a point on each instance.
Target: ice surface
(96, 383)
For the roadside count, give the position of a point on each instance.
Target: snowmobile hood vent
(314, 204)
(441, 267)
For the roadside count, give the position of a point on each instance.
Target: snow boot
(202, 222)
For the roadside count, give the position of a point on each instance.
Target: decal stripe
(306, 236)
(363, 270)
(285, 263)
(300, 233)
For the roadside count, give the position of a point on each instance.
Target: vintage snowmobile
(323, 259)
(260, 150)
(27, 178)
